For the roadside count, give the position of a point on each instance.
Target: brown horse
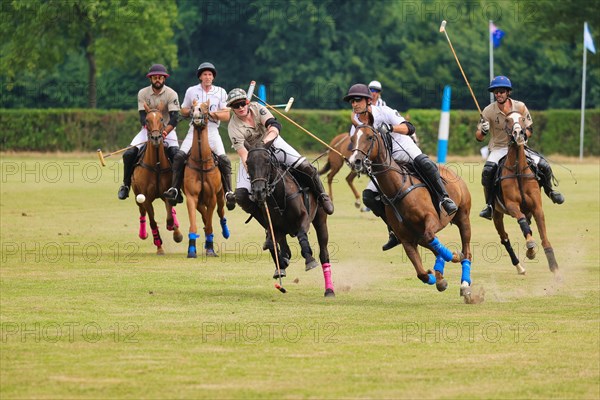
(202, 184)
(520, 197)
(334, 163)
(293, 209)
(152, 177)
(409, 208)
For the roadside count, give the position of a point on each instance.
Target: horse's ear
(194, 102)
(161, 106)
(146, 107)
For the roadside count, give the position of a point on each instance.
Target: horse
(292, 210)
(335, 162)
(152, 178)
(409, 208)
(520, 197)
(202, 184)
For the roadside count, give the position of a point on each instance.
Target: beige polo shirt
(240, 132)
(167, 96)
(497, 119)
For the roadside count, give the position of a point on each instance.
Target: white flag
(588, 42)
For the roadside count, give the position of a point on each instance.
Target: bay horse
(410, 210)
(202, 184)
(520, 197)
(334, 163)
(292, 210)
(152, 177)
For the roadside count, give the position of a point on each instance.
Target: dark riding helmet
(358, 90)
(500, 82)
(157, 69)
(206, 66)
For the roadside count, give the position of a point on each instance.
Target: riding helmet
(500, 82)
(206, 66)
(358, 90)
(157, 69)
(375, 85)
(236, 95)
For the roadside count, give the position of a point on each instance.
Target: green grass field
(87, 310)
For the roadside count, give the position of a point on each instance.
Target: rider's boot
(316, 185)
(174, 192)
(431, 174)
(546, 181)
(225, 168)
(487, 181)
(129, 158)
(372, 200)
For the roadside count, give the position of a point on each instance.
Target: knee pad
(242, 197)
(487, 175)
(225, 163)
(179, 156)
(372, 200)
(131, 154)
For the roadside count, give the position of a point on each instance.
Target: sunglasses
(500, 91)
(239, 104)
(355, 99)
(375, 90)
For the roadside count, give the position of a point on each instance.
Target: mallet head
(101, 157)
(289, 104)
(250, 90)
(443, 26)
(280, 288)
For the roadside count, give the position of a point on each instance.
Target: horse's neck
(516, 156)
(154, 154)
(200, 146)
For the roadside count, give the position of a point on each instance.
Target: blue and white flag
(496, 35)
(588, 42)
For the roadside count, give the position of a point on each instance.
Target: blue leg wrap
(466, 271)
(439, 264)
(192, 245)
(432, 279)
(209, 239)
(439, 248)
(225, 228)
(193, 236)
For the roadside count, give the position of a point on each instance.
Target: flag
(588, 41)
(496, 35)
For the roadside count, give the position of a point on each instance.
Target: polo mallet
(299, 126)
(250, 92)
(287, 106)
(101, 156)
(278, 286)
(443, 29)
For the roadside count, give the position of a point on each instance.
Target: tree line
(92, 53)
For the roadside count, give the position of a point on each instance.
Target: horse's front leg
(463, 223)
(306, 251)
(172, 222)
(207, 213)
(499, 224)
(221, 213)
(413, 255)
(320, 225)
(154, 227)
(191, 203)
(514, 211)
(540, 221)
(143, 233)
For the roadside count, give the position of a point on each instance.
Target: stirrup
(171, 194)
(486, 212)
(449, 206)
(230, 200)
(392, 242)
(556, 197)
(123, 192)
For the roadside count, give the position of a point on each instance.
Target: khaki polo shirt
(497, 119)
(167, 96)
(240, 132)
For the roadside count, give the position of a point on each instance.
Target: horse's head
(515, 128)
(199, 113)
(259, 169)
(365, 146)
(155, 124)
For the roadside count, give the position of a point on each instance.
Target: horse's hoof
(177, 236)
(465, 289)
(192, 255)
(457, 257)
(531, 250)
(160, 251)
(520, 269)
(557, 276)
(279, 273)
(211, 253)
(357, 204)
(329, 293)
(441, 285)
(310, 265)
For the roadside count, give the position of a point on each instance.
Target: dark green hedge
(556, 131)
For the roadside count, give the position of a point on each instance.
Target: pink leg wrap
(327, 275)
(175, 222)
(157, 239)
(143, 234)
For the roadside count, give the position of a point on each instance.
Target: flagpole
(583, 94)
(491, 56)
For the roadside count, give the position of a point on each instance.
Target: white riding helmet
(375, 85)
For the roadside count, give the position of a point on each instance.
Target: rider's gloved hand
(385, 128)
(485, 127)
